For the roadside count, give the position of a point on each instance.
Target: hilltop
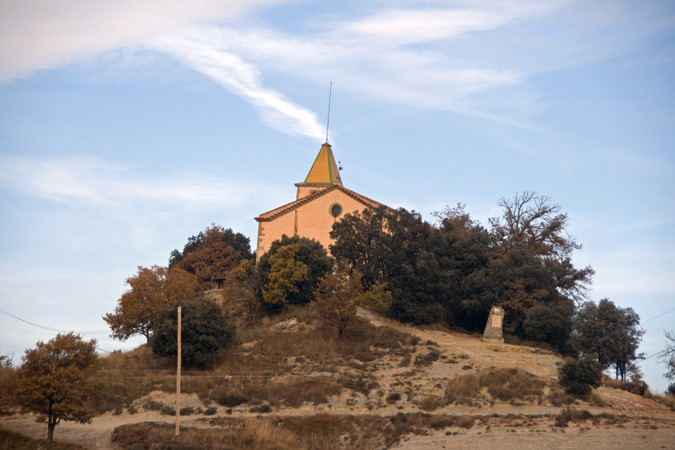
(292, 384)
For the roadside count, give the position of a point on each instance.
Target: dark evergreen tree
(551, 323)
(608, 334)
(580, 377)
(397, 249)
(206, 329)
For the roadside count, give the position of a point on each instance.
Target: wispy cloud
(202, 52)
(40, 34)
(414, 26)
(470, 57)
(93, 182)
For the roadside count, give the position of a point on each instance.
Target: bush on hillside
(579, 377)
(206, 329)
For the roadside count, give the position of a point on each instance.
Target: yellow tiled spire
(324, 170)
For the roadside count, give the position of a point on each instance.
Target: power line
(659, 315)
(50, 328)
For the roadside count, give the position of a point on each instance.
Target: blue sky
(127, 127)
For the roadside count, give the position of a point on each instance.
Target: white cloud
(202, 52)
(39, 34)
(470, 57)
(93, 182)
(409, 26)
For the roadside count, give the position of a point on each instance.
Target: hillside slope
(429, 372)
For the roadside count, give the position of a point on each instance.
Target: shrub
(393, 398)
(580, 377)
(671, 389)
(229, 397)
(431, 403)
(428, 359)
(571, 415)
(206, 329)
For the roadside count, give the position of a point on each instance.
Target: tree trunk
(50, 431)
(51, 422)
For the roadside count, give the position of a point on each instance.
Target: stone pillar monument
(493, 327)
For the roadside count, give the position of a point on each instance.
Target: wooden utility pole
(178, 377)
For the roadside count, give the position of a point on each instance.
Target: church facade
(320, 201)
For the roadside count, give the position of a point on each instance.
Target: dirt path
(505, 438)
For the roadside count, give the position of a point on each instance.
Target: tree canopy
(457, 270)
(609, 334)
(398, 250)
(152, 290)
(211, 255)
(668, 355)
(289, 272)
(53, 380)
(531, 263)
(205, 330)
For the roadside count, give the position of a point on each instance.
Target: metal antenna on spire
(330, 93)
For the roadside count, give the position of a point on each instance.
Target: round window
(335, 210)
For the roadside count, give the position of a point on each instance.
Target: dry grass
(15, 441)
(669, 401)
(258, 434)
(277, 364)
(291, 392)
(428, 358)
(502, 384)
(318, 432)
(124, 377)
(577, 416)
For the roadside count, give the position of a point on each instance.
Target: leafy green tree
(285, 276)
(340, 294)
(211, 255)
(54, 380)
(609, 334)
(152, 290)
(205, 330)
(289, 272)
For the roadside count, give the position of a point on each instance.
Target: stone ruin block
(493, 327)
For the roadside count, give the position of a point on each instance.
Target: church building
(320, 201)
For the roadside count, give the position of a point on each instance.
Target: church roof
(324, 171)
(289, 207)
